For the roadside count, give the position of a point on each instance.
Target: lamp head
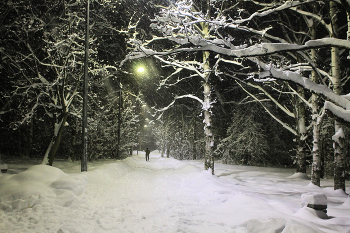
(141, 69)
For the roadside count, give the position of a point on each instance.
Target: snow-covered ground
(164, 195)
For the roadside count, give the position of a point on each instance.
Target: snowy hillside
(164, 195)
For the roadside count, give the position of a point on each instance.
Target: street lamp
(85, 94)
(141, 69)
(119, 116)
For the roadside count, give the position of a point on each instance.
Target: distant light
(141, 70)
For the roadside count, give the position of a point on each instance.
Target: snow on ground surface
(164, 195)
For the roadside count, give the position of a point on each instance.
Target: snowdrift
(38, 185)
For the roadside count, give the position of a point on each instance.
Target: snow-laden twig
(262, 49)
(176, 98)
(183, 65)
(337, 110)
(295, 77)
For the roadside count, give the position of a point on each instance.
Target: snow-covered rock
(3, 167)
(317, 201)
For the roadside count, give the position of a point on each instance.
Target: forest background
(230, 67)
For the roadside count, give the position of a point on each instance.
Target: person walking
(147, 154)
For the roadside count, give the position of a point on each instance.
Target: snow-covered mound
(299, 175)
(40, 184)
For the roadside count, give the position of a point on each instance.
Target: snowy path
(164, 195)
(154, 196)
(145, 198)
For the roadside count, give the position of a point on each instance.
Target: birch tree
(316, 118)
(339, 136)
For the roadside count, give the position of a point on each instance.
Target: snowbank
(299, 175)
(40, 184)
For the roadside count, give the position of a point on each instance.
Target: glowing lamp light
(141, 70)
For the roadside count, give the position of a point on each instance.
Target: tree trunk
(316, 120)
(339, 157)
(194, 140)
(339, 137)
(301, 129)
(209, 142)
(316, 155)
(326, 149)
(209, 139)
(168, 150)
(71, 156)
(162, 149)
(29, 145)
(55, 141)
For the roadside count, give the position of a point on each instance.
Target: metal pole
(119, 117)
(85, 93)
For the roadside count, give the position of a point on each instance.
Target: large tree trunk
(209, 142)
(339, 157)
(301, 129)
(326, 149)
(316, 155)
(209, 139)
(316, 119)
(339, 137)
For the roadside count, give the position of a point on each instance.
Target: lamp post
(141, 70)
(119, 116)
(85, 93)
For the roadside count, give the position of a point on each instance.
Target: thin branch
(268, 111)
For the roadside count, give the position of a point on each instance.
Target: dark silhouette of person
(147, 154)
